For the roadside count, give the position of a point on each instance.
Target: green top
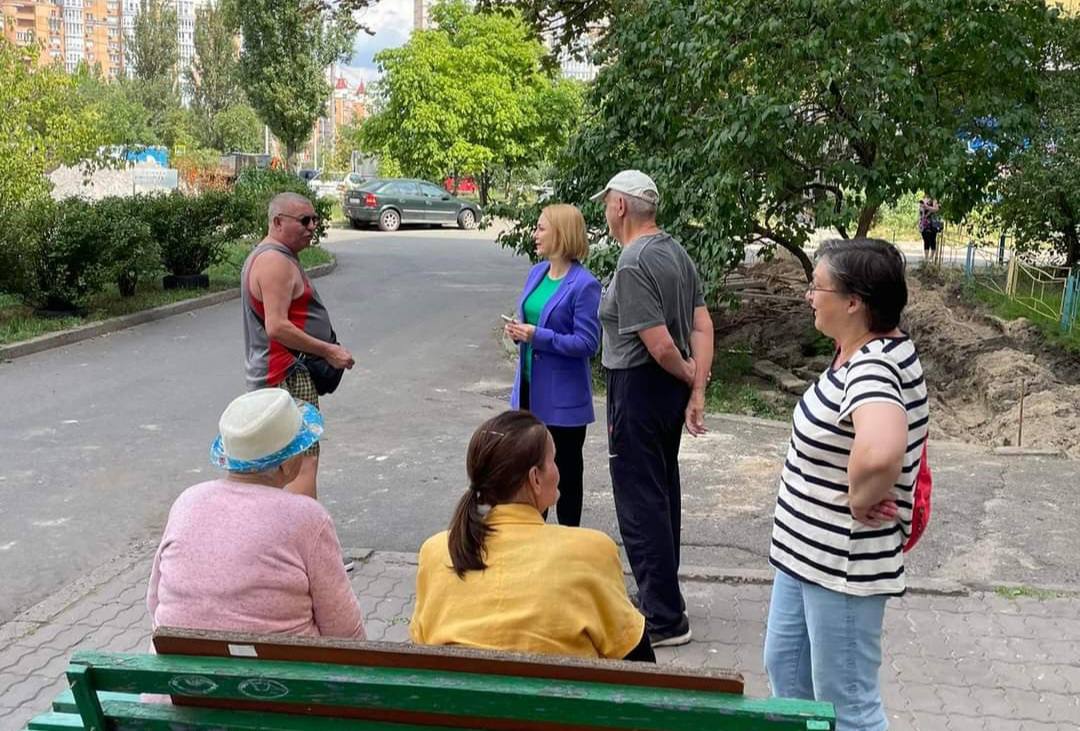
(534, 305)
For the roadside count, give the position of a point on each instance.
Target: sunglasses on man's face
(304, 221)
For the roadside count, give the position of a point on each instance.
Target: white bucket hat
(632, 182)
(262, 429)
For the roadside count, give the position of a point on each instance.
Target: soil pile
(977, 366)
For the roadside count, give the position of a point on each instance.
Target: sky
(392, 22)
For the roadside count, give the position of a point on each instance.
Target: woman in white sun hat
(241, 554)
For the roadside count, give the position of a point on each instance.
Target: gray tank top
(268, 362)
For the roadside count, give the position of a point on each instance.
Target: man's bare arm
(662, 348)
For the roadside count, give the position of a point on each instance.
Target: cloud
(392, 21)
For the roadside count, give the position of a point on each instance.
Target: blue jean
(826, 646)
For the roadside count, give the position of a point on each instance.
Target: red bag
(920, 511)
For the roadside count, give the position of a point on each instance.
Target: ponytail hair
(501, 453)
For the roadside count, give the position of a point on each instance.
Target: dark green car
(390, 202)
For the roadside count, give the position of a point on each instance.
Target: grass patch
(1025, 592)
(1009, 309)
(732, 390)
(18, 322)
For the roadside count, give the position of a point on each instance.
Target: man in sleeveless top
(283, 316)
(657, 350)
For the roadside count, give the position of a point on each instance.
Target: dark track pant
(646, 410)
(569, 441)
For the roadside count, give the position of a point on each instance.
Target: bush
(74, 259)
(251, 199)
(22, 240)
(132, 252)
(190, 230)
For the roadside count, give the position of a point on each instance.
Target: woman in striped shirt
(844, 506)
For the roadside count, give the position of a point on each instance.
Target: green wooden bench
(233, 681)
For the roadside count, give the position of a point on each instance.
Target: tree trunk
(866, 220)
(290, 158)
(484, 183)
(1072, 245)
(795, 249)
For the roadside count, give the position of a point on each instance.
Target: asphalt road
(98, 438)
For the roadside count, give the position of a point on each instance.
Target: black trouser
(646, 409)
(569, 441)
(929, 240)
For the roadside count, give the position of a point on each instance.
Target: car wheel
(390, 220)
(466, 219)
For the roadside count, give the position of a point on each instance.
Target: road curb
(709, 575)
(115, 324)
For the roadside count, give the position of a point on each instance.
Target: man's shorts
(300, 385)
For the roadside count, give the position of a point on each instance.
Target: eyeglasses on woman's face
(814, 288)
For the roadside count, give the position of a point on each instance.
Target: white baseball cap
(632, 182)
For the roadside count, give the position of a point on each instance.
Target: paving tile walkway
(953, 663)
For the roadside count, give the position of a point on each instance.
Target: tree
(153, 55)
(237, 129)
(287, 46)
(763, 120)
(469, 97)
(1037, 196)
(214, 77)
(125, 121)
(45, 124)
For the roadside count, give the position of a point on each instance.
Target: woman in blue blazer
(558, 331)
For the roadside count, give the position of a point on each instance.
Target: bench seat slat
(53, 721)
(471, 696)
(129, 716)
(65, 701)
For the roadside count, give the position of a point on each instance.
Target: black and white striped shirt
(815, 538)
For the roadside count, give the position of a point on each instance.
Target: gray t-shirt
(655, 283)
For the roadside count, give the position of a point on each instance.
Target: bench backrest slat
(409, 695)
(172, 641)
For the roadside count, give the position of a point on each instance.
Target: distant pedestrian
(502, 579)
(929, 226)
(285, 322)
(657, 349)
(845, 498)
(558, 332)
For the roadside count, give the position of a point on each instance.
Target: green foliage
(236, 128)
(1038, 196)
(287, 46)
(44, 124)
(251, 201)
(191, 229)
(152, 51)
(214, 76)
(153, 54)
(124, 121)
(568, 22)
(777, 117)
(72, 261)
(469, 97)
(132, 252)
(27, 228)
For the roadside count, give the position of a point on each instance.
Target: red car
(464, 185)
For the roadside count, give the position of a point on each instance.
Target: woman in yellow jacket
(503, 579)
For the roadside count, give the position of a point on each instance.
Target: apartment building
(94, 31)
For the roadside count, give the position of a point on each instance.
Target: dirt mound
(977, 367)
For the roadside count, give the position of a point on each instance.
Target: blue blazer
(566, 338)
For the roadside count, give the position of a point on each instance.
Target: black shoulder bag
(325, 376)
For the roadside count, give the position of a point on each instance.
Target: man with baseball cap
(657, 350)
